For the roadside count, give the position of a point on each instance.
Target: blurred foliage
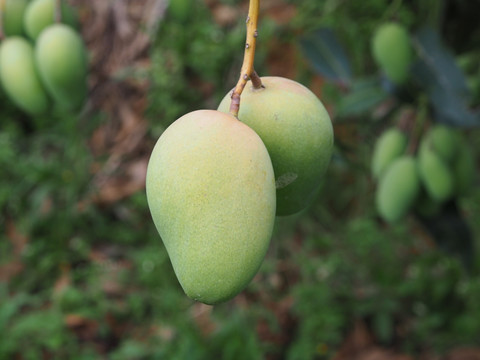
(90, 281)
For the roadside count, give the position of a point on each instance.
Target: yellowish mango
(19, 76)
(211, 192)
(61, 58)
(298, 133)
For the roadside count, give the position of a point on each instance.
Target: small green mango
(445, 142)
(434, 173)
(13, 11)
(297, 132)
(389, 146)
(211, 192)
(61, 59)
(40, 14)
(392, 50)
(398, 189)
(19, 76)
(464, 170)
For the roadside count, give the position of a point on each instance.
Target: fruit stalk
(57, 16)
(247, 72)
(2, 34)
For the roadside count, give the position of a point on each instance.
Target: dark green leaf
(445, 84)
(327, 55)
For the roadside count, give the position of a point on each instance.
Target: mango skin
(40, 14)
(445, 141)
(297, 132)
(61, 59)
(392, 51)
(398, 189)
(13, 11)
(211, 192)
(435, 174)
(389, 146)
(19, 76)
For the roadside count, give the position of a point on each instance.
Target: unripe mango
(389, 146)
(13, 11)
(464, 170)
(392, 50)
(297, 132)
(211, 192)
(19, 76)
(62, 64)
(398, 189)
(40, 14)
(444, 141)
(434, 173)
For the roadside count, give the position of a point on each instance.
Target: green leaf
(436, 70)
(364, 95)
(327, 55)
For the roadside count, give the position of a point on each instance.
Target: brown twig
(247, 72)
(57, 14)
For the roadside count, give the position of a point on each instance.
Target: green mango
(61, 60)
(464, 170)
(40, 14)
(19, 76)
(392, 51)
(13, 11)
(435, 174)
(298, 133)
(445, 142)
(398, 189)
(211, 192)
(389, 146)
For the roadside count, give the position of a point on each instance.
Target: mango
(389, 146)
(434, 173)
(19, 76)
(464, 170)
(40, 14)
(398, 189)
(444, 141)
(61, 59)
(392, 51)
(211, 193)
(13, 11)
(298, 133)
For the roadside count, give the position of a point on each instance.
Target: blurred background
(83, 271)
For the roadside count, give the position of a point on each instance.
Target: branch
(247, 71)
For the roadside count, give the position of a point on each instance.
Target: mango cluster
(43, 63)
(442, 169)
(216, 182)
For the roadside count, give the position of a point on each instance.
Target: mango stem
(57, 11)
(2, 33)
(247, 72)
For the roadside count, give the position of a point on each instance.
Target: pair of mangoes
(392, 51)
(49, 64)
(442, 169)
(215, 183)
